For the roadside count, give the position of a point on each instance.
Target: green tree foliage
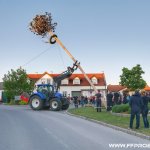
(16, 82)
(132, 79)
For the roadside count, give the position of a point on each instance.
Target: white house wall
(45, 78)
(84, 89)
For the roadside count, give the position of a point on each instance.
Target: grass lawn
(107, 117)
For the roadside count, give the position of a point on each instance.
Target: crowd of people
(81, 100)
(112, 99)
(138, 103)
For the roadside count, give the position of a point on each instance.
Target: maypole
(42, 25)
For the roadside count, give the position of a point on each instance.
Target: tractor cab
(48, 90)
(42, 88)
(45, 89)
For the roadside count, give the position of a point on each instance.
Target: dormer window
(76, 80)
(94, 80)
(65, 81)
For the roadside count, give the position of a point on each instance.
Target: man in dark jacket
(75, 98)
(145, 109)
(109, 101)
(136, 105)
(98, 101)
(116, 98)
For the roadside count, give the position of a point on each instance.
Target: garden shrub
(121, 108)
(13, 102)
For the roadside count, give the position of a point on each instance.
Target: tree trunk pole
(79, 66)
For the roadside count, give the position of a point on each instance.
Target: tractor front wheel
(36, 103)
(55, 104)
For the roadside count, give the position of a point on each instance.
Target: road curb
(123, 115)
(113, 127)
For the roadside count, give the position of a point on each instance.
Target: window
(65, 81)
(94, 80)
(76, 81)
(48, 81)
(43, 81)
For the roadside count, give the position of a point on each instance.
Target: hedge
(121, 108)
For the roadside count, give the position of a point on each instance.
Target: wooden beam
(70, 55)
(79, 66)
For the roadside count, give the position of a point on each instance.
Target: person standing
(82, 101)
(98, 101)
(69, 98)
(125, 98)
(109, 101)
(75, 98)
(116, 98)
(136, 105)
(145, 109)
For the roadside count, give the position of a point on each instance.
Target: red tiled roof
(83, 81)
(115, 88)
(147, 88)
(34, 76)
(91, 75)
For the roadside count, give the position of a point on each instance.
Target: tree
(132, 79)
(16, 82)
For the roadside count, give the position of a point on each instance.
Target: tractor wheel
(36, 103)
(65, 107)
(55, 104)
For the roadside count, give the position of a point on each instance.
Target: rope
(32, 59)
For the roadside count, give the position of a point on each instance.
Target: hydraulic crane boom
(65, 74)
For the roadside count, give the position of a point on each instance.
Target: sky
(103, 35)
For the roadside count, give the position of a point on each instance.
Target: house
(75, 85)
(116, 88)
(147, 88)
(119, 88)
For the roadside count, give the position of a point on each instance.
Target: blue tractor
(48, 97)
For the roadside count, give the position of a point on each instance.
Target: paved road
(24, 129)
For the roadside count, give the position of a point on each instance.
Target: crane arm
(66, 74)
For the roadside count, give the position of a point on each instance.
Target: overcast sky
(104, 35)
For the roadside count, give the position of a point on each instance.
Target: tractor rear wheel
(36, 103)
(55, 104)
(65, 107)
